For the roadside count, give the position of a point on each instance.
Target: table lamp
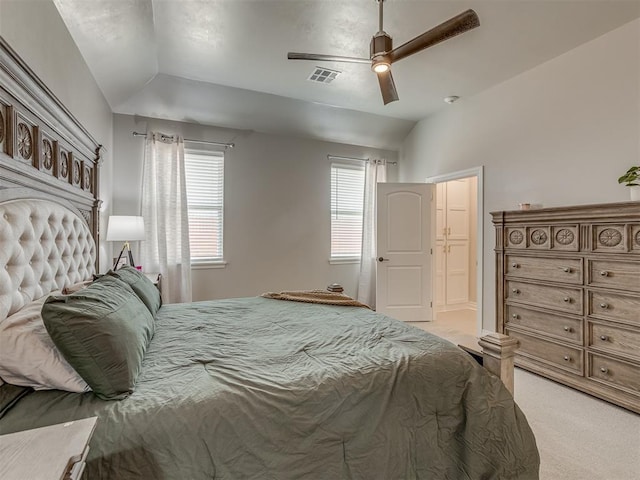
(125, 228)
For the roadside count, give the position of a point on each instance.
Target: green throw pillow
(103, 332)
(141, 285)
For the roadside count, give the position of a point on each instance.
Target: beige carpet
(579, 437)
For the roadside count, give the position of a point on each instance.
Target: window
(205, 199)
(347, 198)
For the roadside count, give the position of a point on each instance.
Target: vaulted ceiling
(224, 62)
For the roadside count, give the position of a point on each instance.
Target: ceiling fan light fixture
(380, 63)
(380, 67)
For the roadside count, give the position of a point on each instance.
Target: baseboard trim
(455, 308)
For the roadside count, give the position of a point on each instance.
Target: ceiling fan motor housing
(381, 43)
(379, 48)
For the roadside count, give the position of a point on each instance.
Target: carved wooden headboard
(42, 145)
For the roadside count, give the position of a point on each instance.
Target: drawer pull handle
(515, 265)
(604, 273)
(516, 291)
(566, 270)
(567, 358)
(568, 329)
(604, 369)
(567, 299)
(604, 305)
(604, 338)
(515, 316)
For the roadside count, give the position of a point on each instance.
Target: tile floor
(458, 326)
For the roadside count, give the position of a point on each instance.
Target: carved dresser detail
(568, 289)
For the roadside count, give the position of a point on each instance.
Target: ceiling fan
(382, 53)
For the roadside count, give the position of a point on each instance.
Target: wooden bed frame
(43, 147)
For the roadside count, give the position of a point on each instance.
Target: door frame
(477, 172)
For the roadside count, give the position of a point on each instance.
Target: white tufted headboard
(45, 245)
(49, 189)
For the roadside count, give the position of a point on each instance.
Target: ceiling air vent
(323, 75)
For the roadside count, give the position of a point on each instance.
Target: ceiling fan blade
(454, 26)
(326, 58)
(387, 87)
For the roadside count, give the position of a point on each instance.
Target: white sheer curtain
(375, 172)
(165, 213)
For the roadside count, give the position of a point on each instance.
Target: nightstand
(53, 452)
(156, 279)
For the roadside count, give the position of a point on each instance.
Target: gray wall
(560, 134)
(34, 29)
(277, 221)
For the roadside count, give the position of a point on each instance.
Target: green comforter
(266, 389)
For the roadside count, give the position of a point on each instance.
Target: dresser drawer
(566, 270)
(614, 339)
(615, 372)
(564, 299)
(612, 306)
(561, 356)
(561, 327)
(613, 274)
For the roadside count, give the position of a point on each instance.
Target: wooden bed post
(497, 356)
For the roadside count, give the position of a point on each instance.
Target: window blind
(204, 171)
(347, 197)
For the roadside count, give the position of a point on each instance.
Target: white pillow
(28, 356)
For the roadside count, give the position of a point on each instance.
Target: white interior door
(403, 274)
(457, 288)
(457, 223)
(452, 244)
(440, 252)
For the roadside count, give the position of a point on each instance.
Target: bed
(266, 389)
(249, 388)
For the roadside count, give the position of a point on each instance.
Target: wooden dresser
(568, 289)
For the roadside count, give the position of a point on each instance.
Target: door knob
(382, 259)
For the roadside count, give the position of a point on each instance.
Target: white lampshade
(125, 228)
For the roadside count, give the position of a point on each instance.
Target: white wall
(277, 221)
(35, 30)
(559, 134)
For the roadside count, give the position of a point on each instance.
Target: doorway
(457, 272)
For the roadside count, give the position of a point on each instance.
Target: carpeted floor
(579, 437)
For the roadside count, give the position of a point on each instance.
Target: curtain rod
(336, 157)
(207, 142)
